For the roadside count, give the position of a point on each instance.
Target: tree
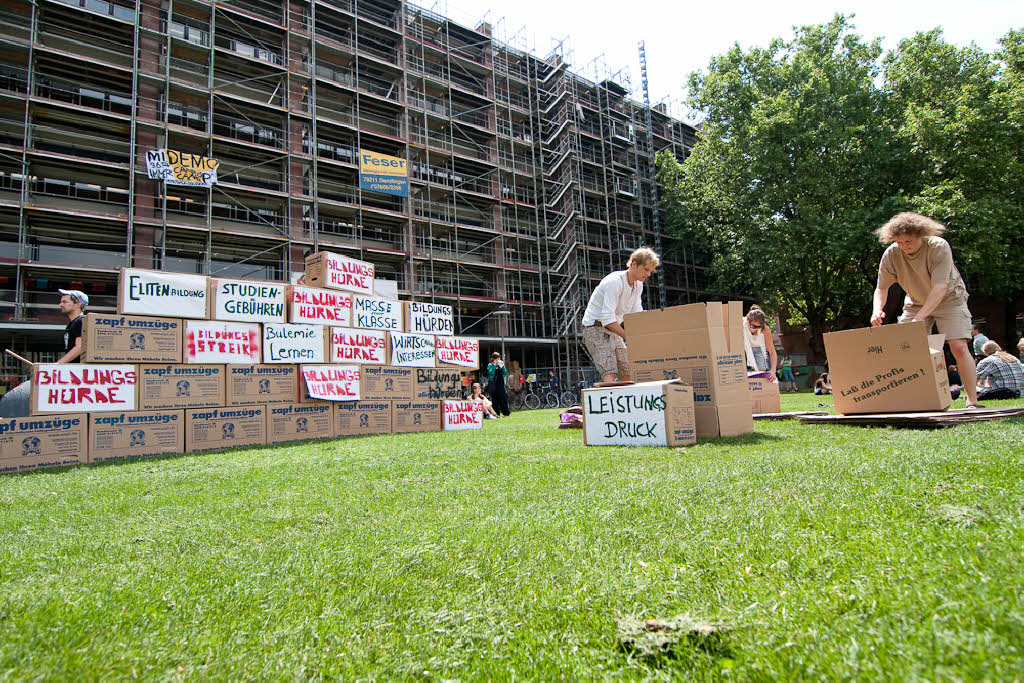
(961, 113)
(796, 164)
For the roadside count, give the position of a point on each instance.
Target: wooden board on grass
(946, 418)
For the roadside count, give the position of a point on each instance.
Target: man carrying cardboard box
(922, 263)
(617, 294)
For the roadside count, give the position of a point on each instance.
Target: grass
(800, 551)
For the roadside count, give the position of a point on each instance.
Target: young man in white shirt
(617, 294)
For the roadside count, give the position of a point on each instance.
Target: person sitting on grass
(823, 385)
(477, 396)
(1000, 375)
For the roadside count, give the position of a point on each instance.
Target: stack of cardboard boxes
(191, 363)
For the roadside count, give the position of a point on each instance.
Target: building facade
(528, 182)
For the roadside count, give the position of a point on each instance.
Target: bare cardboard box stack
(135, 434)
(694, 343)
(362, 418)
(298, 421)
(415, 416)
(764, 396)
(210, 429)
(386, 383)
(251, 384)
(644, 414)
(163, 387)
(27, 443)
(887, 369)
(130, 339)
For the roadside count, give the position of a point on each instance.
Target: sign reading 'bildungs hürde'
(383, 173)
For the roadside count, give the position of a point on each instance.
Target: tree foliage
(808, 145)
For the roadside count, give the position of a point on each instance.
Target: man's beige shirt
(930, 265)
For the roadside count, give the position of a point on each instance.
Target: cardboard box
(424, 318)
(644, 414)
(247, 301)
(215, 341)
(156, 293)
(335, 271)
(386, 383)
(315, 306)
(412, 350)
(28, 443)
(887, 369)
(362, 418)
(210, 429)
(461, 415)
(165, 387)
(142, 433)
(295, 343)
(130, 339)
(80, 387)
(366, 347)
(415, 416)
(692, 343)
(299, 421)
(457, 352)
(764, 396)
(377, 313)
(330, 382)
(256, 384)
(437, 384)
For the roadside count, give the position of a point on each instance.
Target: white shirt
(613, 299)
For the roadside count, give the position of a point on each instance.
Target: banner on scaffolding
(181, 168)
(381, 173)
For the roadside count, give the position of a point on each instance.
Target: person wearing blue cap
(72, 304)
(15, 403)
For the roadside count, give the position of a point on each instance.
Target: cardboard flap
(935, 341)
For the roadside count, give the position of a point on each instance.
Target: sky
(602, 36)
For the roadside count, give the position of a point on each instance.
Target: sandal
(973, 406)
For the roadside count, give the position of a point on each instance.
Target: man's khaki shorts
(953, 320)
(607, 350)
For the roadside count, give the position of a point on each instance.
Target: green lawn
(816, 551)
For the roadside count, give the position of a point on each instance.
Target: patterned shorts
(607, 350)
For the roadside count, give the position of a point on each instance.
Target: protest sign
(458, 351)
(294, 343)
(458, 415)
(376, 313)
(318, 306)
(331, 382)
(152, 292)
(367, 347)
(181, 168)
(644, 414)
(247, 301)
(429, 318)
(215, 341)
(80, 388)
(412, 350)
(335, 271)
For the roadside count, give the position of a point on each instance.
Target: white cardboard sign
(461, 351)
(376, 313)
(412, 350)
(152, 292)
(217, 341)
(626, 416)
(430, 318)
(366, 347)
(293, 343)
(342, 272)
(246, 301)
(332, 382)
(76, 388)
(318, 306)
(457, 415)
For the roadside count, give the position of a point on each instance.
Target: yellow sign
(383, 173)
(181, 168)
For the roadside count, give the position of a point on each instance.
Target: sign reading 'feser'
(151, 292)
(458, 351)
(332, 382)
(214, 341)
(315, 305)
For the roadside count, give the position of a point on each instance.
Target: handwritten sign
(430, 318)
(248, 302)
(412, 350)
(73, 388)
(376, 313)
(316, 305)
(181, 168)
(629, 416)
(293, 343)
(152, 292)
(460, 351)
(332, 382)
(462, 415)
(367, 347)
(216, 341)
(326, 269)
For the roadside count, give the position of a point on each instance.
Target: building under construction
(527, 181)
